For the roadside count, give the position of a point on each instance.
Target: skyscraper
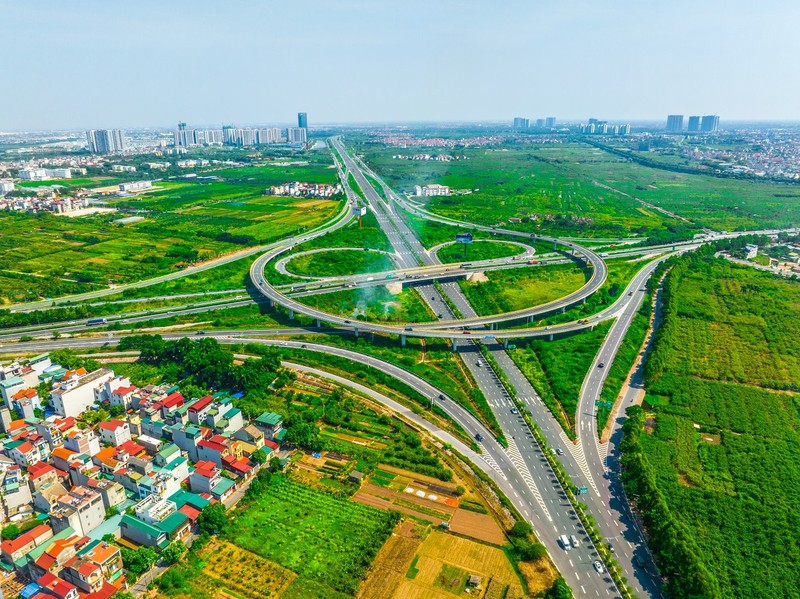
(302, 120)
(296, 135)
(105, 141)
(550, 122)
(185, 137)
(709, 123)
(694, 124)
(675, 123)
(521, 123)
(540, 123)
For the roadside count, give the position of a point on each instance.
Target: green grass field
(339, 262)
(518, 288)
(373, 304)
(714, 457)
(46, 255)
(479, 250)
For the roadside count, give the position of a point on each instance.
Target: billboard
(464, 238)
(359, 211)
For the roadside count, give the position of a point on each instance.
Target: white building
(297, 135)
(123, 168)
(76, 393)
(135, 185)
(433, 189)
(751, 251)
(32, 174)
(82, 509)
(6, 186)
(59, 173)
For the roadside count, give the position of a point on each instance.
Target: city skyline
(470, 53)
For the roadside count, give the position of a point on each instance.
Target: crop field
(542, 185)
(339, 263)
(373, 304)
(444, 562)
(392, 562)
(313, 533)
(518, 288)
(45, 255)
(477, 251)
(715, 454)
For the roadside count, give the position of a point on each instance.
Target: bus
(92, 321)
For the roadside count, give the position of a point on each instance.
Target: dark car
(478, 437)
(601, 364)
(442, 397)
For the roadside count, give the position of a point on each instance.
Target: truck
(563, 540)
(92, 321)
(533, 262)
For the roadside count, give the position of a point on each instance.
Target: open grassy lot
(716, 202)
(189, 221)
(479, 250)
(714, 455)
(518, 288)
(368, 235)
(540, 185)
(339, 262)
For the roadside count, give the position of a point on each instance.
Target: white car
(598, 566)
(514, 411)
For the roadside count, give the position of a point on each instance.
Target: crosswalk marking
(580, 457)
(522, 468)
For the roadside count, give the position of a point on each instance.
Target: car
(547, 328)
(439, 315)
(559, 451)
(514, 411)
(347, 322)
(200, 333)
(442, 397)
(601, 364)
(598, 566)
(466, 333)
(574, 540)
(478, 437)
(284, 344)
(409, 329)
(479, 363)
(433, 297)
(303, 346)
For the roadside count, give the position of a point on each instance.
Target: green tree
(259, 456)
(174, 552)
(10, 532)
(559, 590)
(138, 561)
(213, 519)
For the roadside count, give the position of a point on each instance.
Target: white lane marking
(525, 473)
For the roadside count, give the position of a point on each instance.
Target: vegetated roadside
(712, 456)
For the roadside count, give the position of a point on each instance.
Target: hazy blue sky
(102, 63)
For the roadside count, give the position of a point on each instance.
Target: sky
(103, 64)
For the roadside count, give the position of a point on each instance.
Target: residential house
(271, 423)
(250, 434)
(218, 447)
(14, 490)
(85, 442)
(114, 432)
(81, 509)
(112, 492)
(78, 390)
(156, 523)
(13, 550)
(41, 473)
(46, 497)
(52, 586)
(207, 478)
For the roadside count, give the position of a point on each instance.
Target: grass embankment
(372, 304)
(479, 250)
(714, 455)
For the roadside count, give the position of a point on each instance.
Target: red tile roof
(111, 425)
(39, 469)
(56, 586)
(173, 399)
(213, 446)
(201, 403)
(272, 444)
(131, 447)
(190, 512)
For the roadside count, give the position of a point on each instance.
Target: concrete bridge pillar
(563, 309)
(318, 323)
(356, 330)
(455, 344)
(491, 326)
(505, 343)
(291, 314)
(402, 340)
(555, 245)
(550, 337)
(271, 303)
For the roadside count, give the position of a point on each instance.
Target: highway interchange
(520, 470)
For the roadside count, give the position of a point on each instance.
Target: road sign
(582, 491)
(464, 238)
(512, 346)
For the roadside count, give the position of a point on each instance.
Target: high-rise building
(212, 137)
(694, 124)
(105, 141)
(709, 123)
(624, 129)
(550, 122)
(540, 123)
(675, 123)
(229, 135)
(521, 123)
(270, 135)
(296, 135)
(302, 120)
(185, 137)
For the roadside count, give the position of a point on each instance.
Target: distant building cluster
(192, 163)
(143, 476)
(302, 189)
(434, 157)
(432, 189)
(697, 124)
(598, 127)
(123, 168)
(241, 137)
(106, 141)
(524, 123)
(49, 203)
